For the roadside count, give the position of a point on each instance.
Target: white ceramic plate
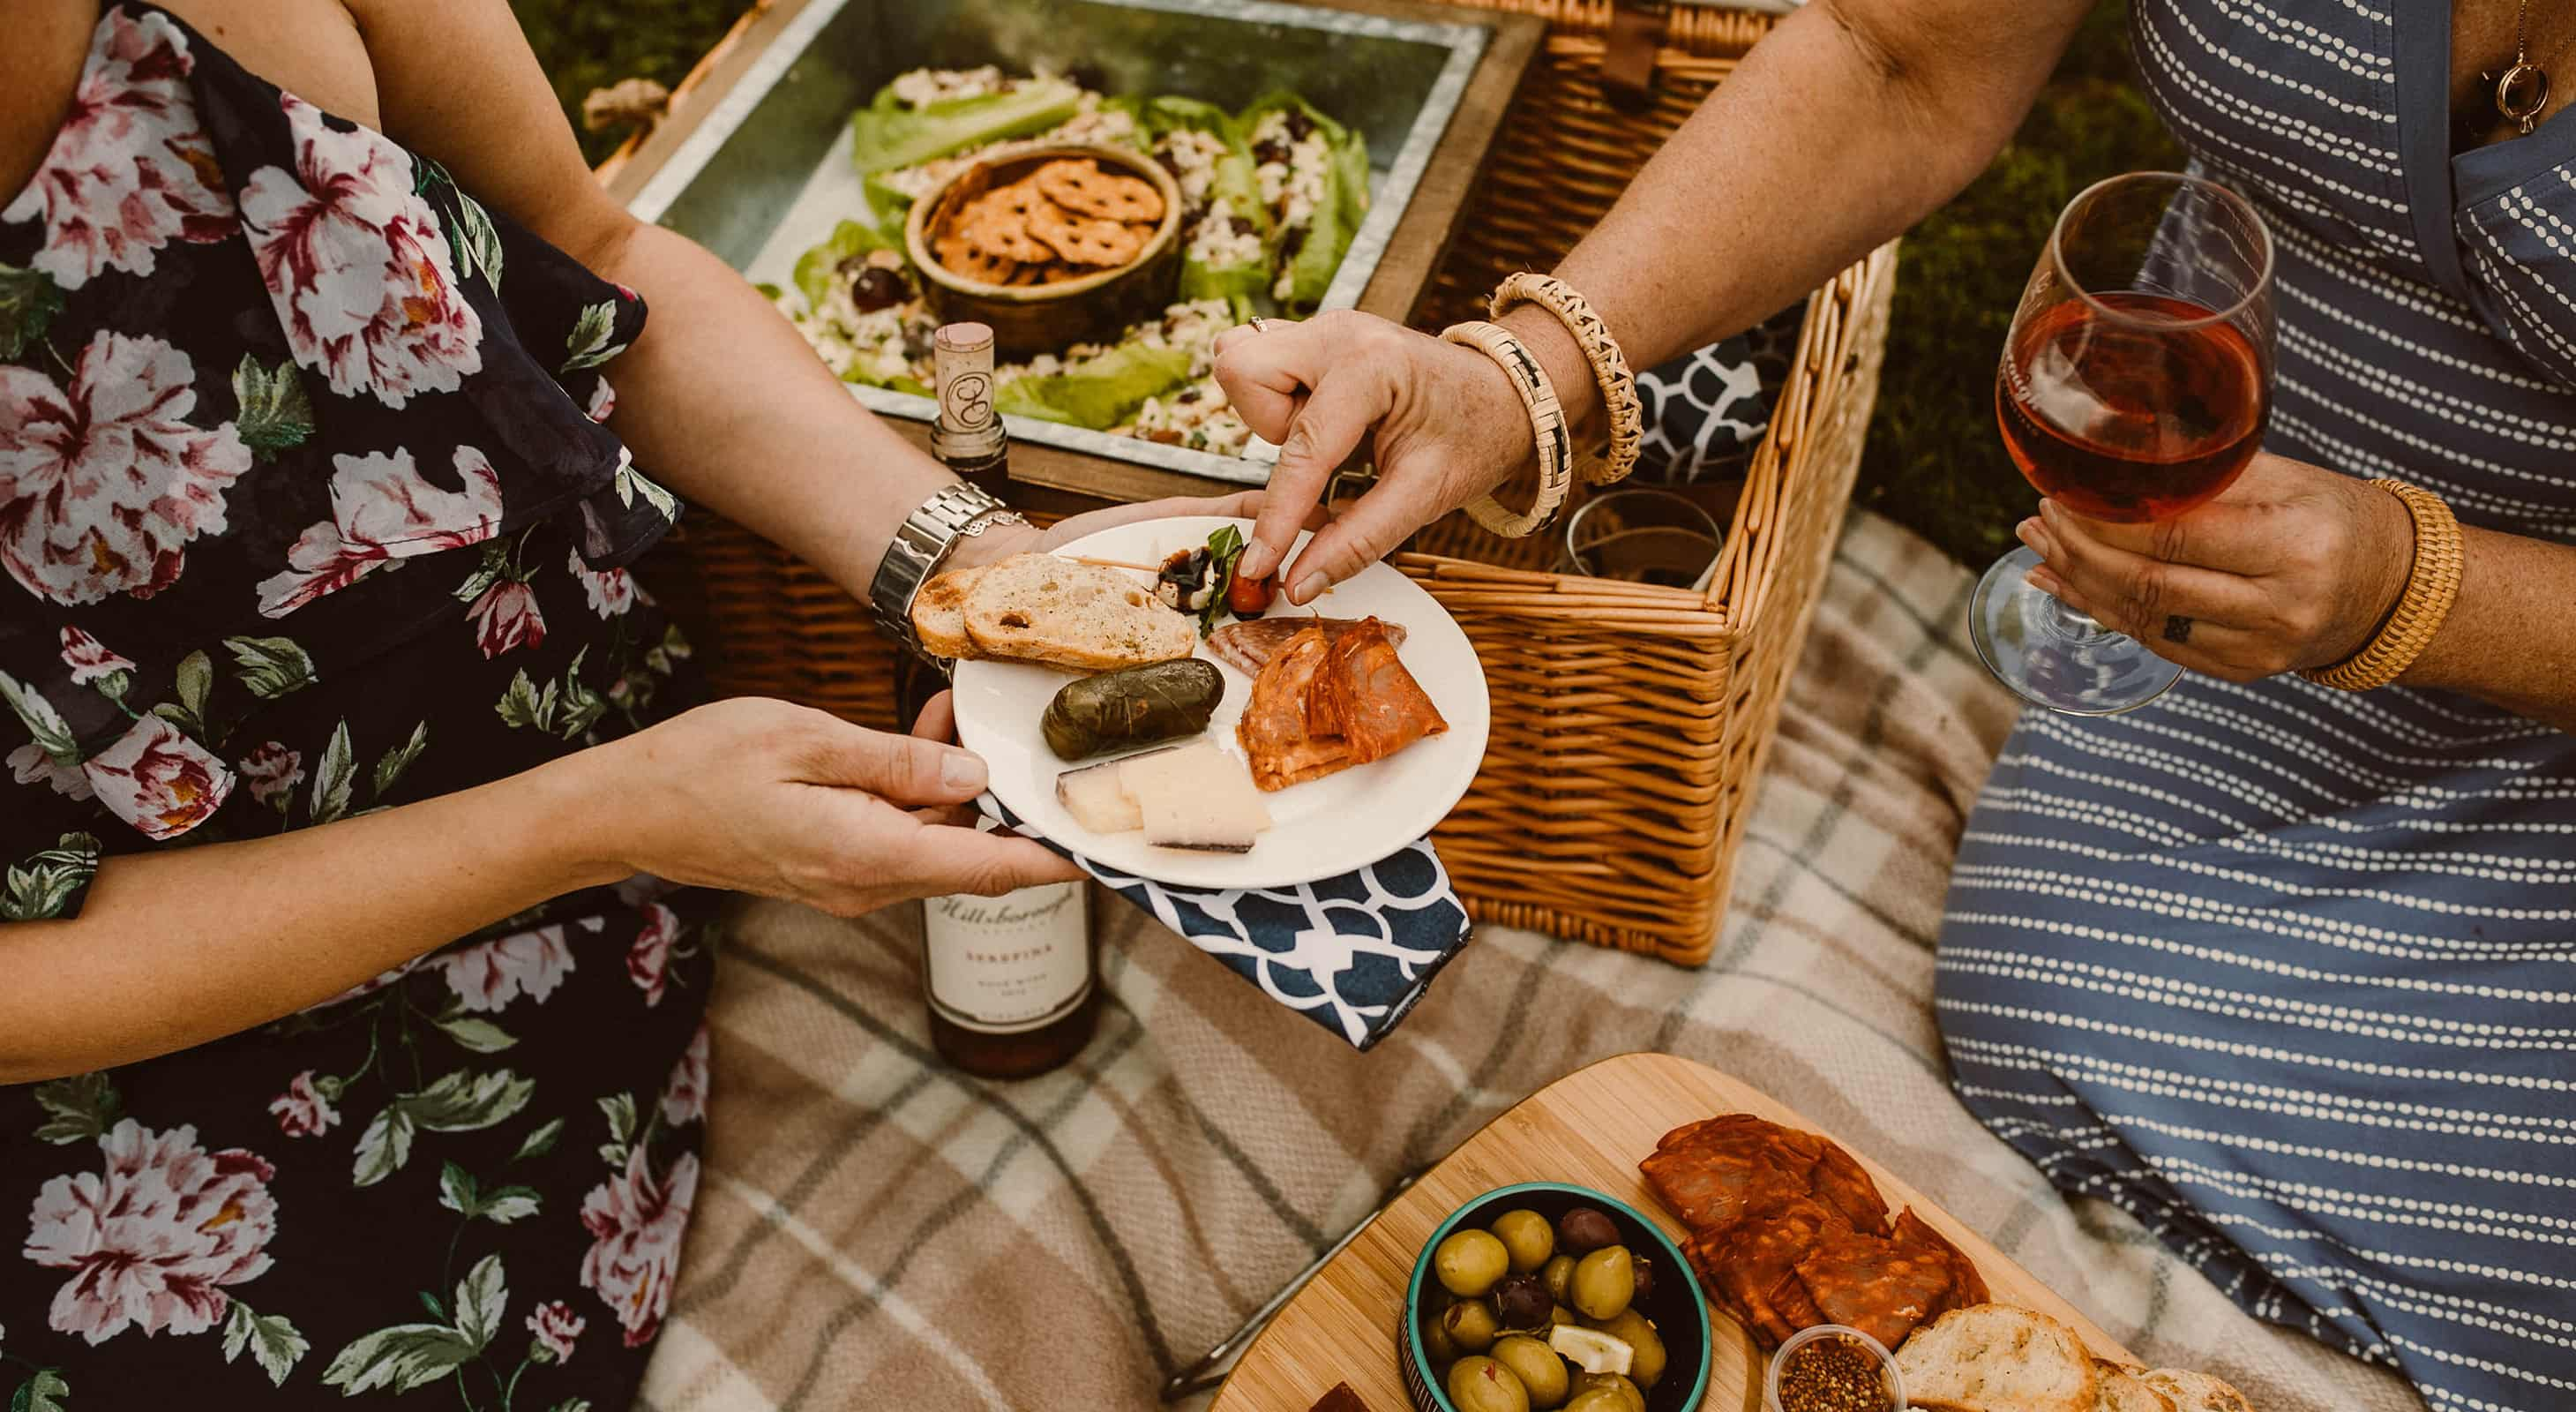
(1317, 830)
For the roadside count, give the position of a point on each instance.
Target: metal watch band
(920, 544)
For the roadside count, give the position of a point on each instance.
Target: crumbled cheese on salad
(1196, 417)
(1220, 241)
(1292, 188)
(1192, 156)
(923, 87)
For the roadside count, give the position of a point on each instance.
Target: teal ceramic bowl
(1679, 1313)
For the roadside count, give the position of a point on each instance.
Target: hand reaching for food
(1442, 423)
(760, 796)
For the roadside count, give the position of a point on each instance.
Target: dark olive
(1585, 1229)
(1645, 1275)
(873, 289)
(1522, 1302)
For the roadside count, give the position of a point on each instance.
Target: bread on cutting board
(1998, 1358)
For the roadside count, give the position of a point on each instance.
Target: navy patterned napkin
(1706, 411)
(1352, 953)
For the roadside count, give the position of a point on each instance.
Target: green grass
(1933, 462)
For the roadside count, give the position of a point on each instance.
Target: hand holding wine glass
(2291, 567)
(2134, 386)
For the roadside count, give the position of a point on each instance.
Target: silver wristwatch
(921, 544)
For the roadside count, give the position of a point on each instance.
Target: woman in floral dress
(350, 994)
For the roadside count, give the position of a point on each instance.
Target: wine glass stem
(2075, 626)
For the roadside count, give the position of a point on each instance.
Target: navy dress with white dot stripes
(2290, 973)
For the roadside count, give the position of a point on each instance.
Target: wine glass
(2134, 385)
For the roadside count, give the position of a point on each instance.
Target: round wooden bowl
(1045, 318)
(1678, 1312)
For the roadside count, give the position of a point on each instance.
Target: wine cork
(961, 357)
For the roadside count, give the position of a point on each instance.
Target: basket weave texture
(1630, 722)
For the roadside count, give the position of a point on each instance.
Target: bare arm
(176, 948)
(180, 947)
(720, 398)
(1773, 185)
(1845, 125)
(2511, 637)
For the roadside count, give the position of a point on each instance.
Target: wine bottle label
(1007, 964)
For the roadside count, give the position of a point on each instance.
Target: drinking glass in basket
(2134, 385)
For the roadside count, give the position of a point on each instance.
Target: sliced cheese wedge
(1097, 797)
(1196, 797)
(1191, 796)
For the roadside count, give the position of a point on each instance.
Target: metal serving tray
(765, 174)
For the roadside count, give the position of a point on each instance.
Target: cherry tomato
(1247, 598)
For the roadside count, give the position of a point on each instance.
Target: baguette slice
(1039, 608)
(1998, 1358)
(2196, 1392)
(2125, 1391)
(939, 614)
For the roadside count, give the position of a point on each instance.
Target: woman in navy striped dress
(2283, 970)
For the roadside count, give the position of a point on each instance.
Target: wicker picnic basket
(1630, 722)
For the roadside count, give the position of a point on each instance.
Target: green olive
(1559, 1314)
(1527, 1237)
(1558, 1274)
(1599, 1399)
(1483, 1385)
(1437, 1345)
(1646, 1366)
(1614, 1384)
(1541, 1372)
(1469, 1262)
(1604, 1282)
(1471, 1325)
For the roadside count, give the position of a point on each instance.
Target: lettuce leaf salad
(1270, 200)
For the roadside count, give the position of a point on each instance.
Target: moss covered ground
(1933, 462)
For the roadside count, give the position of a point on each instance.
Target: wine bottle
(1011, 982)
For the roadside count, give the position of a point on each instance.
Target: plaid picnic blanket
(876, 1230)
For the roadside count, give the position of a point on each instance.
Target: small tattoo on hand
(2177, 628)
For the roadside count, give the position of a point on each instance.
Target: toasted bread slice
(1998, 1358)
(2196, 1392)
(1039, 608)
(2125, 1391)
(939, 614)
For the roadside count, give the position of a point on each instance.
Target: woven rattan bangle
(1547, 428)
(2432, 585)
(1609, 369)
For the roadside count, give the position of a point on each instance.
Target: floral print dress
(306, 510)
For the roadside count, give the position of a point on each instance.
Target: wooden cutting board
(1591, 1127)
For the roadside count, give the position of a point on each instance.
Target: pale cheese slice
(1195, 797)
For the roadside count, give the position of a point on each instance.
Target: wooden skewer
(1115, 564)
